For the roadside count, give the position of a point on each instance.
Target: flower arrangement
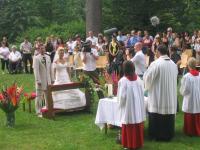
(89, 85)
(93, 88)
(9, 102)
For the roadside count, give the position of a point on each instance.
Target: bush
(64, 31)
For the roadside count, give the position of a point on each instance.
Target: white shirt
(15, 56)
(70, 44)
(90, 64)
(4, 53)
(121, 38)
(139, 62)
(93, 39)
(160, 80)
(26, 47)
(190, 89)
(131, 101)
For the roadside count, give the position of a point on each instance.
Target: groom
(43, 78)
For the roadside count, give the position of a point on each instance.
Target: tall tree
(93, 15)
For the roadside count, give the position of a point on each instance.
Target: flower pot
(10, 119)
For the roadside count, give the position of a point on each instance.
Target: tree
(93, 15)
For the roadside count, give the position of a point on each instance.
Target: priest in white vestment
(190, 89)
(161, 82)
(132, 112)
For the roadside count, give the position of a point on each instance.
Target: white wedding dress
(68, 98)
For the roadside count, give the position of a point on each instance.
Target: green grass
(72, 131)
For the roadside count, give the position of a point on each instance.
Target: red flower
(33, 95)
(30, 96)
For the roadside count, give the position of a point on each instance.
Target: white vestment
(68, 98)
(131, 100)
(190, 89)
(160, 80)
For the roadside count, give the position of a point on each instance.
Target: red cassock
(192, 124)
(133, 135)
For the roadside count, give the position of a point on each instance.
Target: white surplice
(190, 89)
(131, 101)
(160, 80)
(68, 98)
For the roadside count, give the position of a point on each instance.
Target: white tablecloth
(108, 112)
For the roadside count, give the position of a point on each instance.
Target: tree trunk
(93, 16)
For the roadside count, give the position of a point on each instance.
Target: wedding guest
(164, 39)
(190, 87)
(26, 49)
(113, 49)
(131, 107)
(14, 60)
(92, 38)
(100, 45)
(60, 43)
(128, 54)
(69, 44)
(197, 50)
(160, 80)
(54, 42)
(5, 40)
(43, 78)
(49, 48)
(147, 43)
(77, 43)
(4, 55)
(139, 60)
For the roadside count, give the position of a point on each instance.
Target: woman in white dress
(66, 99)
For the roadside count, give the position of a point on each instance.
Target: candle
(110, 90)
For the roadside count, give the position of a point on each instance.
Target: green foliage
(181, 15)
(18, 16)
(64, 31)
(32, 16)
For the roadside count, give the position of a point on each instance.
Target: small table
(108, 113)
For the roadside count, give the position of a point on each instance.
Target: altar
(108, 113)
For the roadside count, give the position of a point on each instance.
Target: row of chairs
(76, 62)
(184, 59)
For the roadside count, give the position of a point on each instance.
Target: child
(132, 113)
(190, 87)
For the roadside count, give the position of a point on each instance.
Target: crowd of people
(127, 65)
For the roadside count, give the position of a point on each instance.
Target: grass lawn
(72, 131)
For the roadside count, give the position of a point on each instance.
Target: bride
(68, 98)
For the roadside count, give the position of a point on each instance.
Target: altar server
(190, 89)
(132, 112)
(161, 82)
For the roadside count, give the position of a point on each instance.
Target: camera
(86, 46)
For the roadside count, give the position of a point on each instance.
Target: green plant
(64, 31)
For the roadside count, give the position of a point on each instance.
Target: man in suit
(43, 78)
